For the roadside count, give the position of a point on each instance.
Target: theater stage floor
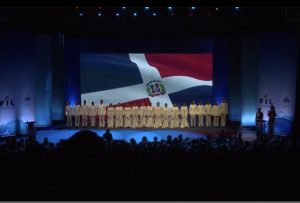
(126, 134)
(56, 134)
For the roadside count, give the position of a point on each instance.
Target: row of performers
(146, 116)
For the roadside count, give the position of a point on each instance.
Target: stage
(55, 134)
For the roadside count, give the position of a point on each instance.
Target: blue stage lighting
(237, 8)
(135, 14)
(147, 8)
(193, 8)
(170, 8)
(123, 8)
(99, 14)
(117, 14)
(154, 14)
(81, 14)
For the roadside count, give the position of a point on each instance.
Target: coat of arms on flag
(146, 78)
(155, 88)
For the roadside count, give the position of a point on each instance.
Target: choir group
(146, 116)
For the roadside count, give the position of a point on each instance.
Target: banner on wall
(284, 107)
(277, 78)
(15, 111)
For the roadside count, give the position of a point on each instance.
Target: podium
(264, 126)
(260, 127)
(30, 127)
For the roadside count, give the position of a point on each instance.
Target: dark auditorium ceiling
(149, 22)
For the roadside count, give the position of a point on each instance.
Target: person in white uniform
(101, 114)
(208, 111)
(68, 114)
(158, 116)
(149, 114)
(174, 123)
(122, 115)
(135, 117)
(127, 117)
(142, 116)
(184, 116)
(92, 114)
(166, 116)
(200, 112)
(192, 112)
(216, 114)
(224, 112)
(77, 114)
(73, 113)
(110, 116)
(119, 116)
(84, 113)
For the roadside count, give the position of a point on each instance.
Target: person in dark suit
(259, 123)
(272, 115)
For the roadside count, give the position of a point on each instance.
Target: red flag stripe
(198, 66)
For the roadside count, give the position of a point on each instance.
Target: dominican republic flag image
(143, 78)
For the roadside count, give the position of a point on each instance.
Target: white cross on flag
(144, 78)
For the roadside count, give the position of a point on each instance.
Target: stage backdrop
(138, 78)
(25, 81)
(269, 62)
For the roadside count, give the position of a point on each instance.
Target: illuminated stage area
(55, 136)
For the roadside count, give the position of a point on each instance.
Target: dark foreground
(87, 167)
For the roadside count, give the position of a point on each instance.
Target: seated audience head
(107, 135)
(169, 138)
(144, 139)
(45, 141)
(132, 141)
(83, 143)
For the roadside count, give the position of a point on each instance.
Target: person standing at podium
(259, 123)
(272, 115)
